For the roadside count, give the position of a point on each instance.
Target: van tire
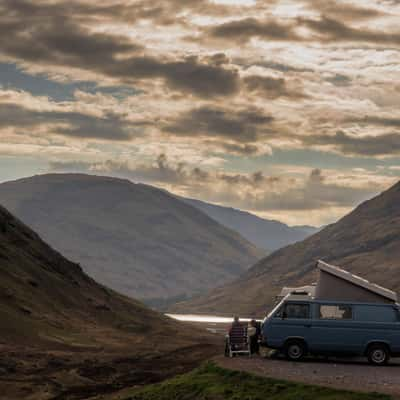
(378, 354)
(295, 350)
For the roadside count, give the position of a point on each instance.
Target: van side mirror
(284, 315)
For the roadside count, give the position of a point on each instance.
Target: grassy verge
(211, 382)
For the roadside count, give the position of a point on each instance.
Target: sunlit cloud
(236, 102)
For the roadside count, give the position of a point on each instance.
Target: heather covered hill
(266, 234)
(136, 239)
(365, 242)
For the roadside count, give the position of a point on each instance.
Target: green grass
(211, 382)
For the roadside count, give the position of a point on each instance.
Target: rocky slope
(365, 242)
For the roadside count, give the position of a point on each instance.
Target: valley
(365, 242)
(136, 239)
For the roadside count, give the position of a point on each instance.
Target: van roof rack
(300, 292)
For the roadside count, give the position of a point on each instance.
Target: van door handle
(307, 325)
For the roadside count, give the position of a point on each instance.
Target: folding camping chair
(237, 342)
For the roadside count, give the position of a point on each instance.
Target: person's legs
(227, 345)
(254, 346)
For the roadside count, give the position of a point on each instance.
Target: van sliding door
(333, 328)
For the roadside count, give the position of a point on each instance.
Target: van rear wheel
(295, 350)
(378, 354)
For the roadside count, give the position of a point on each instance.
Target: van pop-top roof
(335, 283)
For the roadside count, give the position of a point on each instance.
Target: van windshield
(277, 307)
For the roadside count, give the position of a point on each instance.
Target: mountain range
(266, 234)
(134, 238)
(365, 242)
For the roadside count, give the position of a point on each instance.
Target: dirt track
(342, 374)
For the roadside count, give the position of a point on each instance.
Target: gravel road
(355, 375)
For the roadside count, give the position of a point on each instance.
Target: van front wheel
(295, 350)
(378, 354)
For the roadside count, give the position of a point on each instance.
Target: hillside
(134, 238)
(46, 299)
(265, 234)
(365, 242)
(64, 336)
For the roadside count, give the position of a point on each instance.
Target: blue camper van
(301, 325)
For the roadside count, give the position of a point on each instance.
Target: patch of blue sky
(11, 77)
(12, 168)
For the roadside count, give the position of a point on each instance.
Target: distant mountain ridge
(365, 242)
(266, 234)
(134, 238)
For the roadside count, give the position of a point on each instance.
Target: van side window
(376, 313)
(296, 310)
(330, 311)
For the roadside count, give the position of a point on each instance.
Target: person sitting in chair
(236, 325)
(236, 336)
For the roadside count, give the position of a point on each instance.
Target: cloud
(188, 75)
(56, 39)
(379, 145)
(271, 88)
(89, 11)
(339, 80)
(242, 30)
(59, 40)
(329, 27)
(288, 80)
(345, 11)
(163, 172)
(251, 191)
(160, 171)
(379, 121)
(66, 123)
(269, 64)
(316, 192)
(238, 125)
(241, 149)
(333, 30)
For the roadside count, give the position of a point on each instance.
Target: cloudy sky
(288, 109)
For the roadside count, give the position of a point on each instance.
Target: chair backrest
(238, 334)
